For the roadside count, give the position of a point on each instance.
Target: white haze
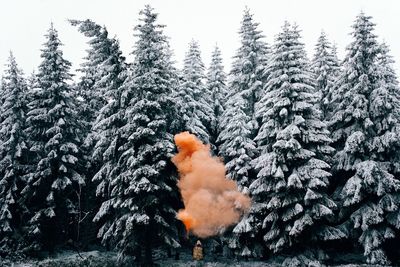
(24, 22)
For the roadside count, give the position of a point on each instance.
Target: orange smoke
(212, 202)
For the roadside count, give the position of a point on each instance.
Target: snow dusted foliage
(238, 150)
(237, 147)
(365, 130)
(143, 190)
(289, 194)
(101, 73)
(12, 153)
(103, 142)
(247, 75)
(238, 123)
(388, 78)
(92, 69)
(194, 99)
(216, 86)
(53, 138)
(325, 67)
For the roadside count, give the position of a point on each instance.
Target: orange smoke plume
(212, 202)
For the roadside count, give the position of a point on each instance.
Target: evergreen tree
(108, 141)
(12, 154)
(193, 97)
(50, 194)
(290, 192)
(365, 130)
(238, 122)
(99, 92)
(216, 86)
(144, 189)
(248, 69)
(325, 67)
(93, 69)
(246, 80)
(236, 143)
(387, 75)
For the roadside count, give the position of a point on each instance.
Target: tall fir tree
(237, 146)
(99, 89)
(248, 74)
(247, 77)
(12, 155)
(193, 97)
(290, 199)
(325, 67)
(365, 129)
(53, 138)
(108, 143)
(93, 69)
(144, 191)
(216, 86)
(387, 74)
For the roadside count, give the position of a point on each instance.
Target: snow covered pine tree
(289, 195)
(365, 129)
(238, 122)
(104, 71)
(325, 66)
(12, 155)
(53, 136)
(216, 87)
(193, 98)
(143, 187)
(246, 82)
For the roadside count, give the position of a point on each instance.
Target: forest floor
(108, 259)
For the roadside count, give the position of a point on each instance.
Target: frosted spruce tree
(290, 200)
(101, 109)
(92, 99)
(365, 130)
(108, 142)
(143, 191)
(101, 70)
(248, 68)
(325, 67)
(104, 140)
(246, 81)
(216, 86)
(387, 74)
(50, 194)
(237, 146)
(12, 154)
(193, 98)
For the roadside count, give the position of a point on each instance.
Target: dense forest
(314, 142)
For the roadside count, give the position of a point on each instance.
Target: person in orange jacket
(198, 251)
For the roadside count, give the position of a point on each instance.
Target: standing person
(198, 251)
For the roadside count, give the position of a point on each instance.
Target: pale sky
(23, 24)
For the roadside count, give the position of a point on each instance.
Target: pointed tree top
(216, 51)
(322, 37)
(150, 16)
(363, 22)
(11, 57)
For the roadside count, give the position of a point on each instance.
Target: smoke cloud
(212, 202)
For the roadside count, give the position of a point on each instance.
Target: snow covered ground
(108, 259)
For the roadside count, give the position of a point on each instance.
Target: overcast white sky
(23, 24)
